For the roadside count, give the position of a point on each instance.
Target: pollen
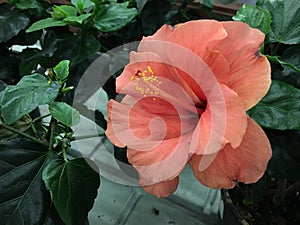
(146, 83)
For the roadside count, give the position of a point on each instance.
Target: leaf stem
(86, 136)
(52, 129)
(40, 117)
(7, 127)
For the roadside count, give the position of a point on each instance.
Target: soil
(265, 212)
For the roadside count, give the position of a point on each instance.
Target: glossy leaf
(255, 17)
(46, 23)
(24, 198)
(83, 47)
(285, 27)
(77, 19)
(64, 113)
(28, 4)
(279, 109)
(291, 67)
(31, 91)
(285, 161)
(11, 23)
(62, 70)
(73, 186)
(112, 17)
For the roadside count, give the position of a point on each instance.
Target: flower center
(146, 83)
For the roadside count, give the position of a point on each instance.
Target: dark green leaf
(73, 186)
(11, 23)
(64, 113)
(24, 198)
(30, 59)
(112, 17)
(277, 60)
(83, 47)
(29, 4)
(77, 19)
(289, 73)
(154, 15)
(227, 1)
(285, 161)
(45, 23)
(209, 3)
(24, 97)
(255, 17)
(62, 70)
(21, 125)
(279, 109)
(285, 27)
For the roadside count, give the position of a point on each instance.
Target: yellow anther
(150, 70)
(132, 78)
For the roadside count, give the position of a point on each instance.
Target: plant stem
(40, 117)
(52, 129)
(87, 136)
(7, 127)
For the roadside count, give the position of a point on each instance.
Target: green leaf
(153, 15)
(77, 19)
(276, 59)
(279, 109)
(22, 125)
(285, 27)
(112, 17)
(83, 47)
(209, 3)
(31, 91)
(11, 23)
(73, 186)
(62, 70)
(64, 113)
(255, 17)
(45, 23)
(285, 161)
(29, 4)
(24, 198)
(82, 4)
(63, 11)
(225, 2)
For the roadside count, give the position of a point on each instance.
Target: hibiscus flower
(187, 90)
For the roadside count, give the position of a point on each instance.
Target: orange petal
(162, 189)
(130, 124)
(197, 35)
(246, 163)
(164, 162)
(249, 74)
(224, 120)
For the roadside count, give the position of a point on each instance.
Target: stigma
(146, 83)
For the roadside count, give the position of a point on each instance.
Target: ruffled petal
(223, 121)
(246, 163)
(164, 162)
(130, 124)
(197, 35)
(250, 73)
(162, 189)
